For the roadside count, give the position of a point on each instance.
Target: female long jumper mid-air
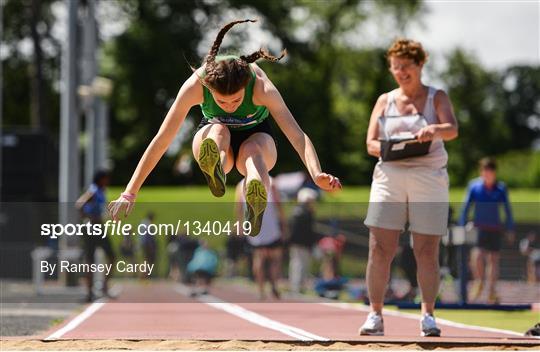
(236, 97)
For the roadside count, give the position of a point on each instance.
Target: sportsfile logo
(111, 227)
(118, 228)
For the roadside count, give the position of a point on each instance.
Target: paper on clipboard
(400, 128)
(398, 146)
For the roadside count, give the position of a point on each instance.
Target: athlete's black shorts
(238, 137)
(489, 240)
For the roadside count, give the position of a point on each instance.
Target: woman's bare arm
(372, 139)
(448, 125)
(447, 128)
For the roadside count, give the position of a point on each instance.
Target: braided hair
(229, 76)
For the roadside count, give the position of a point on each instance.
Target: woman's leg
(275, 270)
(426, 252)
(383, 244)
(258, 270)
(256, 157)
(295, 268)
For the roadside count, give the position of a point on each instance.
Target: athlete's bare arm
(190, 94)
(265, 93)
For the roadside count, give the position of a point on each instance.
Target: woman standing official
(413, 189)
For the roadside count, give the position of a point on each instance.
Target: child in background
(487, 194)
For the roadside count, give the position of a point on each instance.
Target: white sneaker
(429, 326)
(374, 325)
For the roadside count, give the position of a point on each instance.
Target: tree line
(329, 82)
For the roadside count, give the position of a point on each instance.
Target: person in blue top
(92, 207)
(487, 194)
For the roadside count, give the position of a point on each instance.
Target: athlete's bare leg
(256, 157)
(221, 135)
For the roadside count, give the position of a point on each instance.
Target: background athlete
(236, 97)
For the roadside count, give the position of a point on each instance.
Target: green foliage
(329, 82)
(476, 95)
(492, 114)
(519, 168)
(148, 62)
(21, 18)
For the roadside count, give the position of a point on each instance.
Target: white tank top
(270, 229)
(437, 156)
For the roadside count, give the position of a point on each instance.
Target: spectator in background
(187, 248)
(235, 249)
(530, 247)
(173, 254)
(148, 241)
(202, 268)
(268, 244)
(331, 283)
(302, 238)
(92, 205)
(127, 250)
(487, 194)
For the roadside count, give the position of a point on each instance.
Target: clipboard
(396, 149)
(398, 141)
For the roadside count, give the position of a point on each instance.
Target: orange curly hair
(408, 49)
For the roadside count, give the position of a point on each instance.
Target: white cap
(307, 195)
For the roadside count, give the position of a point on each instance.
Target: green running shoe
(255, 205)
(210, 164)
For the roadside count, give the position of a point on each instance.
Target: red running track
(213, 317)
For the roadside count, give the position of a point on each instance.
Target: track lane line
(115, 290)
(87, 313)
(344, 305)
(253, 317)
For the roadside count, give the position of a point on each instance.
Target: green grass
(349, 203)
(171, 203)
(348, 194)
(519, 321)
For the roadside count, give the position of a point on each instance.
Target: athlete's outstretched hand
(327, 182)
(124, 204)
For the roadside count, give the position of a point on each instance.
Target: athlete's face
(405, 71)
(229, 103)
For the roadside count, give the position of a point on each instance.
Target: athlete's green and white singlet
(246, 116)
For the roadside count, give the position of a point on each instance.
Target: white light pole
(68, 180)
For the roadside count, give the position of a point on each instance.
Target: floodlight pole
(1, 104)
(68, 180)
(89, 69)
